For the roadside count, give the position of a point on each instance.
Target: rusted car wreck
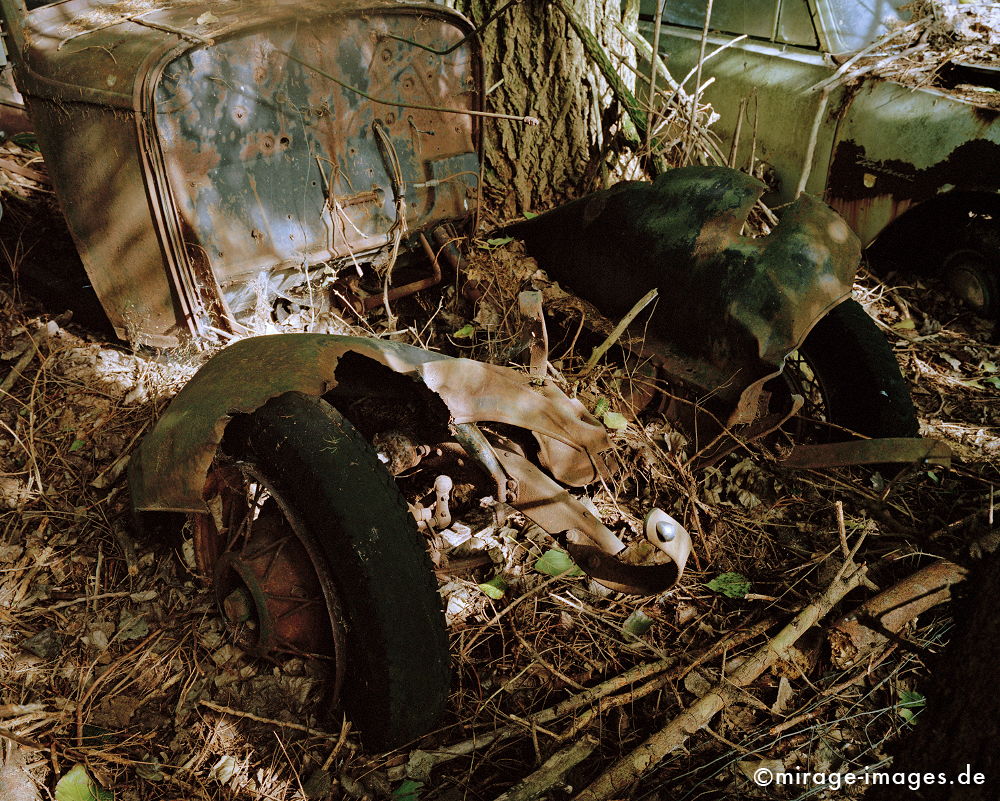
(274, 158)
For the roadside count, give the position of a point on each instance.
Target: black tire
(858, 377)
(971, 267)
(397, 662)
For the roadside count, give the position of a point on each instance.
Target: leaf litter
(113, 657)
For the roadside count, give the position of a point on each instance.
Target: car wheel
(970, 270)
(850, 378)
(312, 553)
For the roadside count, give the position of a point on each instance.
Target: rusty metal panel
(938, 144)
(730, 307)
(168, 471)
(193, 158)
(273, 165)
(108, 215)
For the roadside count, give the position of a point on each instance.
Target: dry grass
(111, 653)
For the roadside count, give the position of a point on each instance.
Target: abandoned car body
(253, 462)
(914, 171)
(213, 160)
(265, 151)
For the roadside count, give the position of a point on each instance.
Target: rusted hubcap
(273, 590)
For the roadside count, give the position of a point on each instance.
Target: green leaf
(908, 702)
(732, 585)
(993, 380)
(905, 325)
(555, 563)
(495, 587)
(78, 786)
(77, 444)
(465, 331)
(602, 406)
(614, 421)
(638, 623)
(499, 241)
(409, 790)
(529, 215)
(933, 477)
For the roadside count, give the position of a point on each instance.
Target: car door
(766, 72)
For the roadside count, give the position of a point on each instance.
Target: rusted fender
(167, 472)
(730, 307)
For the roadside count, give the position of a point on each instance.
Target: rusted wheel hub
(273, 590)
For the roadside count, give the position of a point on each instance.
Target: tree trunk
(536, 66)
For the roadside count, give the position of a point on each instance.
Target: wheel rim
(802, 380)
(273, 589)
(970, 277)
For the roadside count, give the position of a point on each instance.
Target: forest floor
(112, 655)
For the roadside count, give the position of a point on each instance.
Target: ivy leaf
(602, 406)
(409, 790)
(732, 585)
(638, 623)
(76, 445)
(529, 215)
(495, 587)
(498, 242)
(555, 563)
(465, 331)
(614, 421)
(910, 704)
(78, 786)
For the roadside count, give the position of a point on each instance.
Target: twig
(236, 713)
(619, 329)
(842, 528)
(551, 772)
(20, 367)
(878, 43)
(616, 780)
(869, 627)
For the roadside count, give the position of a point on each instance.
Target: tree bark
(536, 65)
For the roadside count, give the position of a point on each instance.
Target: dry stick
(619, 329)
(600, 692)
(654, 64)
(616, 780)
(842, 528)
(20, 367)
(697, 81)
(835, 78)
(551, 772)
(236, 713)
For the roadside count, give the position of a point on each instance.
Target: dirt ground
(113, 657)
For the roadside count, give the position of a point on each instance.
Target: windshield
(851, 25)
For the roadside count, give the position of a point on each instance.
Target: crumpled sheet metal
(168, 471)
(731, 307)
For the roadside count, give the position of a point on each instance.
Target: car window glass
(795, 25)
(854, 24)
(755, 18)
(752, 17)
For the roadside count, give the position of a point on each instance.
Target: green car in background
(914, 171)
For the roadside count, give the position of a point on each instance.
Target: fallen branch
(869, 628)
(655, 674)
(616, 780)
(615, 335)
(551, 772)
(236, 713)
(19, 367)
